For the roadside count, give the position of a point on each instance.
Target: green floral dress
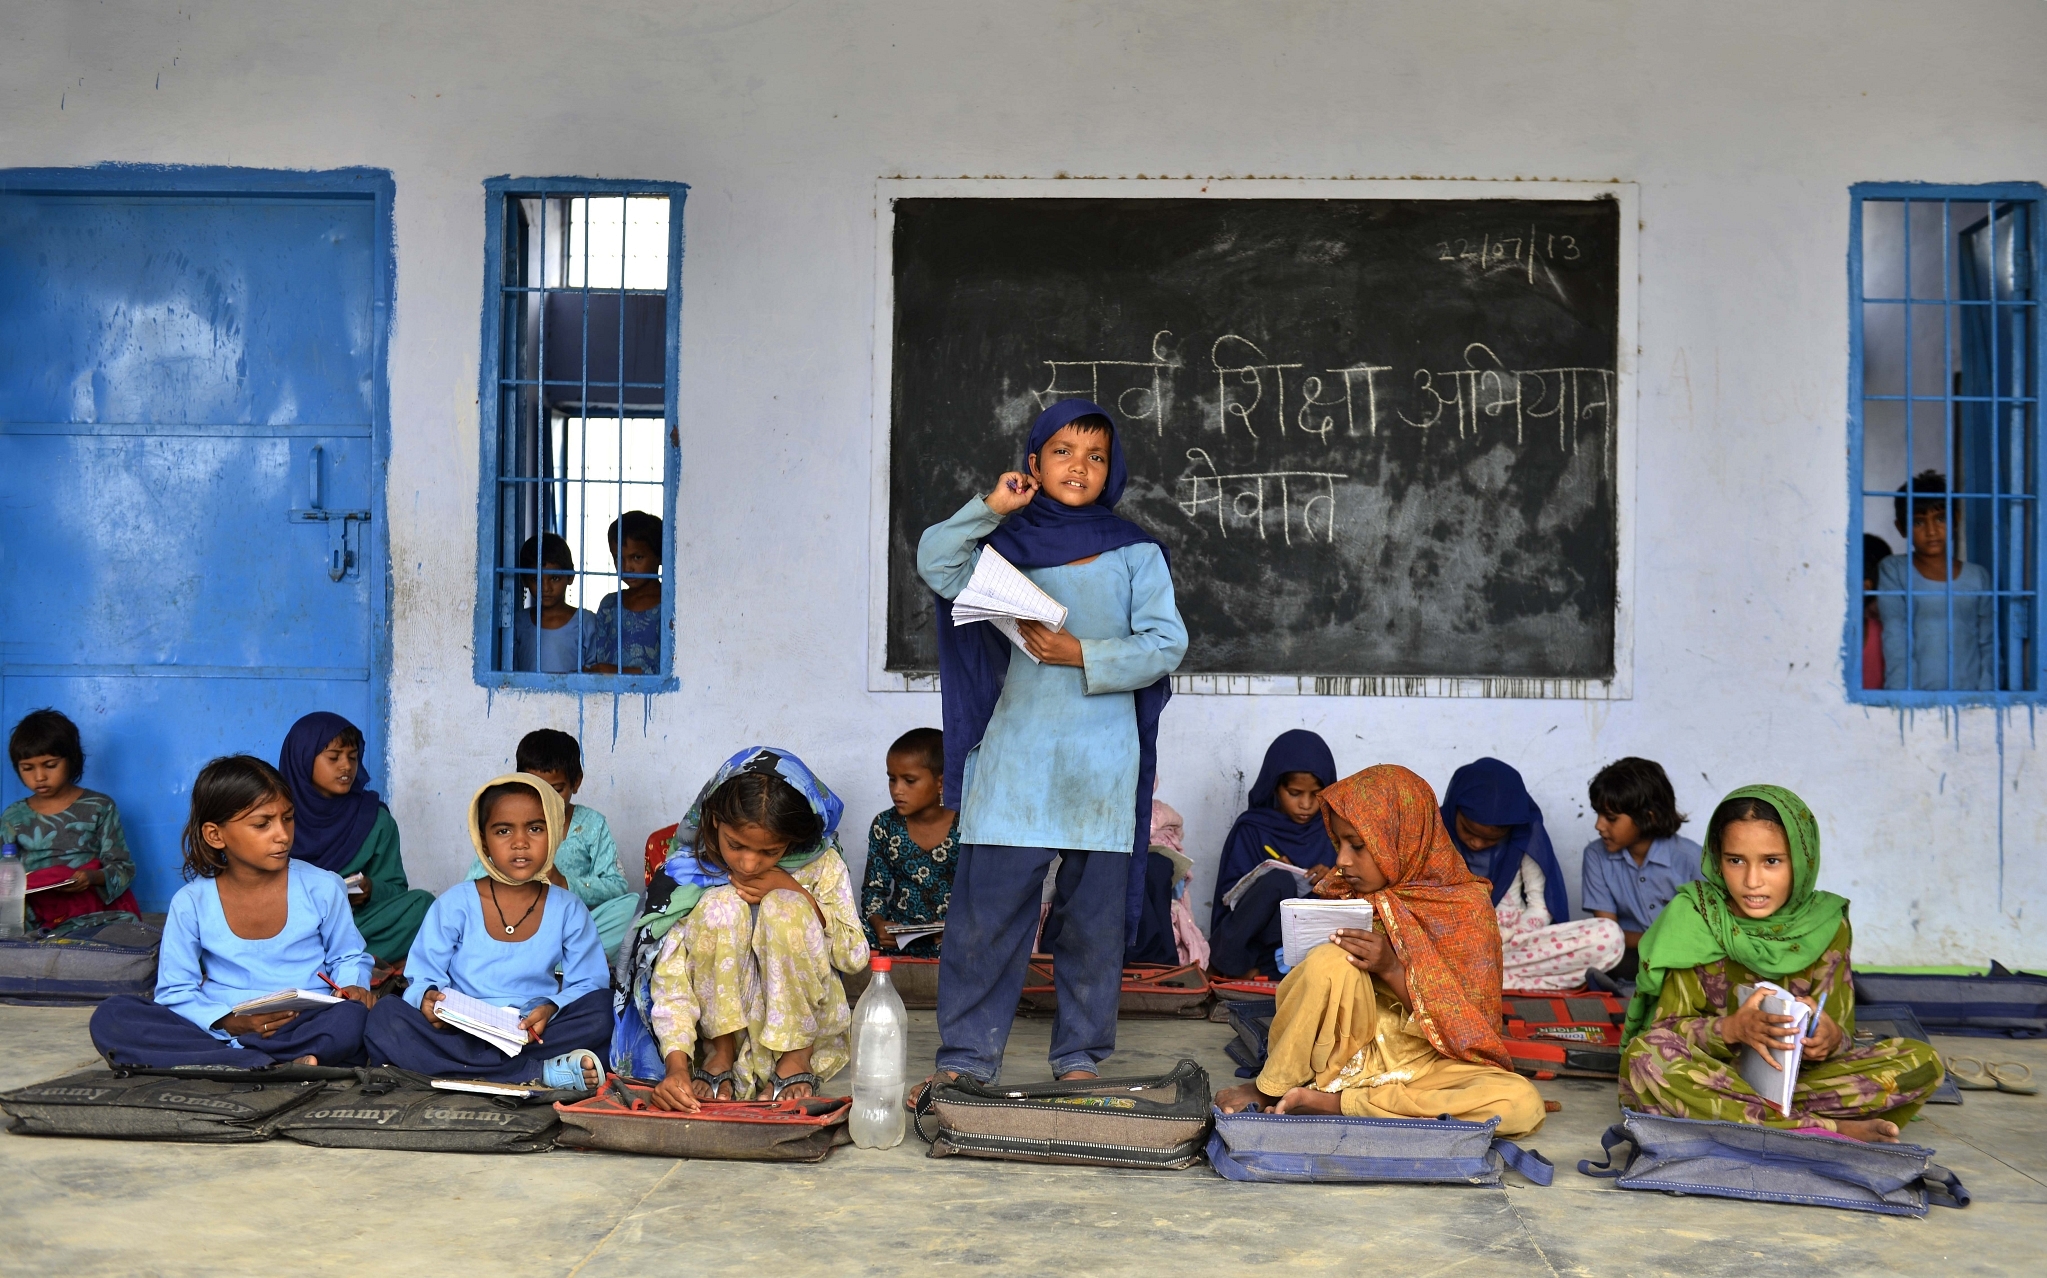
(90, 829)
(1681, 1067)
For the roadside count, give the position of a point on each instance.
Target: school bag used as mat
(388, 1108)
(1157, 1122)
(1573, 1036)
(1148, 989)
(203, 1106)
(89, 958)
(619, 1118)
(1252, 1019)
(1771, 1165)
(2002, 1004)
(1339, 1149)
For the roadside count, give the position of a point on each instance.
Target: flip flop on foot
(784, 1083)
(916, 1094)
(580, 1070)
(712, 1082)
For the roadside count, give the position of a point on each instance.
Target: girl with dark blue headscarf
(1282, 826)
(1050, 743)
(1497, 827)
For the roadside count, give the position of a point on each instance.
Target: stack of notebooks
(1002, 596)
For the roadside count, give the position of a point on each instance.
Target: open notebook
(498, 1026)
(1000, 595)
(286, 1001)
(1307, 922)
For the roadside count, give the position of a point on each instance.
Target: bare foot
(1308, 1100)
(916, 1095)
(794, 1061)
(1077, 1075)
(1880, 1131)
(1231, 1100)
(314, 1060)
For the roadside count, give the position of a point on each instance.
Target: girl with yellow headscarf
(502, 938)
(1758, 914)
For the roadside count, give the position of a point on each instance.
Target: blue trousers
(399, 1034)
(990, 922)
(134, 1031)
(1245, 937)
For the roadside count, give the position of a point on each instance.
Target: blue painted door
(190, 439)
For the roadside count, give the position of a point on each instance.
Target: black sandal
(782, 1084)
(715, 1080)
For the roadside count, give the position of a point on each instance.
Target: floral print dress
(88, 830)
(905, 883)
(1680, 1066)
(768, 972)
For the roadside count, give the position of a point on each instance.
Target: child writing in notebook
(745, 996)
(69, 837)
(1281, 825)
(1051, 749)
(911, 847)
(253, 921)
(501, 939)
(586, 863)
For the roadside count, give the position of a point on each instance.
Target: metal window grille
(1944, 404)
(579, 434)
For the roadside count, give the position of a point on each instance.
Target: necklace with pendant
(512, 927)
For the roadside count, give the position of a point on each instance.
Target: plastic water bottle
(881, 1063)
(14, 901)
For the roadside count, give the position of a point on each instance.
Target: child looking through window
(549, 636)
(1917, 652)
(69, 837)
(626, 634)
(911, 847)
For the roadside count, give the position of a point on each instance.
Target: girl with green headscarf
(1757, 914)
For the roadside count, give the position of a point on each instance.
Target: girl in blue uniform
(501, 939)
(253, 921)
(1050, 752)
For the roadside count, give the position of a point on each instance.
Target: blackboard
(1377, 436)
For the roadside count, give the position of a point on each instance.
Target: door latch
(343, 539)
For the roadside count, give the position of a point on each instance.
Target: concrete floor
(102, 1207)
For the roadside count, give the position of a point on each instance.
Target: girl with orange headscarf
(1400, 1021)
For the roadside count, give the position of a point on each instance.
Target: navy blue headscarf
(973, 660)
(1263, 825)
(330, 831)
(1492, 793)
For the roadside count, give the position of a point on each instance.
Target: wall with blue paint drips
(1743, 127)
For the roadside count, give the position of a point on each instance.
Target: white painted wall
(1743, 125)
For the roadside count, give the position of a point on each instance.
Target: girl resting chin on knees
(1756, 914)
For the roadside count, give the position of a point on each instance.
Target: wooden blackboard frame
(1619, 687)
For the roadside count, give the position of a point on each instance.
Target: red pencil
(330, 984)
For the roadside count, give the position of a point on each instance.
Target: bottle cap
(881, 963)
(10, 850)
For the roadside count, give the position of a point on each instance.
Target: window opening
(580, 587)
(1947, 442)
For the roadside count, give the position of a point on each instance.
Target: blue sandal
(566, 1071)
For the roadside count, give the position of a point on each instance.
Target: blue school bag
(2003, 1004)
(1770, 1165)
(1332, 1149)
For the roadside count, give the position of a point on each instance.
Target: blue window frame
(1945, 472)
(582, 310)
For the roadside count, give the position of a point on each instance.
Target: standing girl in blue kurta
(253, 921)
(501, 939)
(1052, 757)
